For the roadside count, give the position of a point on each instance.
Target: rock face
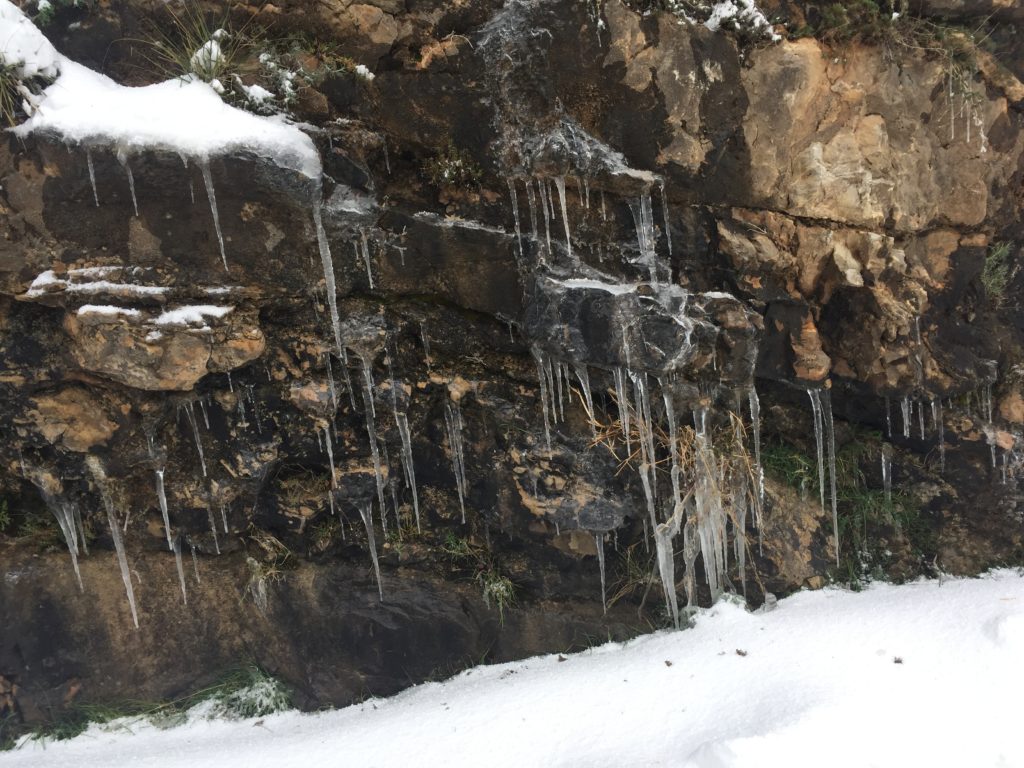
(500, 382)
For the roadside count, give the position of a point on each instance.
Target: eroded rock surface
(665, 222)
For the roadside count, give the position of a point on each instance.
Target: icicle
(673, 445)
(815, 396)
(887, 473)
(204, 166)
(690, 551)
(371, 430)
(643, 219)
(402, 421)
(831, 435)
(666, 567)
(531, 201)
(176, 548)
(740, 510)
(366, 513)
(131, 186)
(231, 386)
(599, 546)
(515, 213)
(224, 517)
(604, 216)
(161, 498)
(81, 528)
(206, 416)
(100, 477)
(623, 403)
(920, 417)
(905, 409)
(937, 412)
(560, 186)
(453, 421)
(366, 256)
(544, 203)
(586, 192)
(387, 158)
(327, 262)
(92, 177)
(330, 383)
(213, 530)
(755, 423)
(538, 355)
(646, 429)
(330, 458)
(556, 392)
(65, 515)
(888, 419)
(195, 562)
(588, 398)
(426, 345)
(191, 414)
(664, 208)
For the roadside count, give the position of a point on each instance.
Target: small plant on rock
(995, 275)
(452, 167)
(498, 591)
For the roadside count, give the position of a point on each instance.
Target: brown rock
(74, 418)
(1011, 407)
(810, 363)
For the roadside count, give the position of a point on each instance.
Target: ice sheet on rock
(616, 289)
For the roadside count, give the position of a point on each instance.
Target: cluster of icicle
(719, 491)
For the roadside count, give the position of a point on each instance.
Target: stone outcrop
(661, 223)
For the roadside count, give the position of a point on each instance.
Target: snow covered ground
(926, 674)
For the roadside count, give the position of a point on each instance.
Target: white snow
(925, 674)
(184, 115)
(364, 72)
(107, 310)
(191, 315)
(23, 46)
(48, 282)
(743, 12)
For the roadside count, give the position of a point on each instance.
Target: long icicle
(830, 433)
(204, 166)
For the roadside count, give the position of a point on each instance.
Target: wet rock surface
(664, 220)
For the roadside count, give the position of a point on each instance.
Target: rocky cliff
(594, 311)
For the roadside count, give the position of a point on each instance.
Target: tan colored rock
(166, 358)
(810, 363)
(869, 142)
(1011, 408)
(73, 418)
(668, 61)
(312, 397)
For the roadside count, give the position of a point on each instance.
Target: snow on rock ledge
(184, 116)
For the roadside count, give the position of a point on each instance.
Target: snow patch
(23, 46)
(891, 676)
(743, 13)
(107, 310)
(185, 115)
(48, 282)
(191, 315)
